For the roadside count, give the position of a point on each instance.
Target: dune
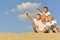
(29, 36)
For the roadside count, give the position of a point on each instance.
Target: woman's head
(38, 16)
(45, 9)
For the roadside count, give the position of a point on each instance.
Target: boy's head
(50, 18)
(43, 18)
(38, 16)
(45, 9)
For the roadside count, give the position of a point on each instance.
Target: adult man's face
(43, 18)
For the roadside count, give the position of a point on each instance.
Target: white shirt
(40, 25)
(48, 13)
(53, 22)
(36, 22)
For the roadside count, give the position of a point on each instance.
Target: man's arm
(39, 10)
(29, 16)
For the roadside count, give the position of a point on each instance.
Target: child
(45, 11)
(52, 24)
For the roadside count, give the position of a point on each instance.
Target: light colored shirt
(53, 22)
(36, 22)
(40, 25)
(46, 14)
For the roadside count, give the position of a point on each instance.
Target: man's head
(50, 18)
(45, 9)
(38, 16)
(43, 18)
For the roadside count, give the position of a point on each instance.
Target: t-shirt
(46, 14)
(53, 22)
(36, 22)
(40, 25)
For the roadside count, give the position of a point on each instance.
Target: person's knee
(44, 30)
(33, 25)
(55, 29)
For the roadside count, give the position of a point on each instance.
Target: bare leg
(45, 31)
(50, 31)
(35, 28)
(55, 29)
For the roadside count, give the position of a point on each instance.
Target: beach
(29, 36)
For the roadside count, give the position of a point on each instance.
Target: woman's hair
(39, 14)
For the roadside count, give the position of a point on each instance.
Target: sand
(29, 36)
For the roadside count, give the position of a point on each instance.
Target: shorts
(48, 27)
(52, 26)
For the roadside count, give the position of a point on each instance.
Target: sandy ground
(30, 36)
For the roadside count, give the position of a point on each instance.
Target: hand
(27, 14)
(37, 8)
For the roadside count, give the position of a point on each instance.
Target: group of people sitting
(43, 22)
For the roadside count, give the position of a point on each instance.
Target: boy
(52, 24)
(44, 11)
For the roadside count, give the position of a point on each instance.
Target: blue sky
(11, 23)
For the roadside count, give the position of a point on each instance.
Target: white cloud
(12, 10)
(27, 6)
(24, 16)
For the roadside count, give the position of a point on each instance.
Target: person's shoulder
(54, 21)
(48, 12)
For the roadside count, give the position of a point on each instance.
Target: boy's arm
(55, 24)
(29, 16)
(39, 10)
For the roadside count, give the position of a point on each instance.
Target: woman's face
(38, 17)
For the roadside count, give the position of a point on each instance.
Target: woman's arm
(29, 16)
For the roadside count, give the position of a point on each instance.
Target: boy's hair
(46, 7)
(50, 16)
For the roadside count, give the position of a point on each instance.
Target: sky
(13, 18)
